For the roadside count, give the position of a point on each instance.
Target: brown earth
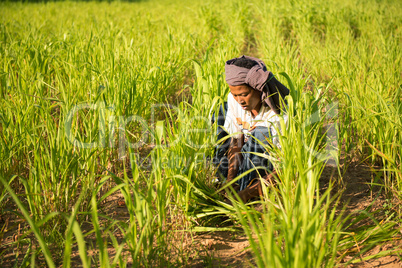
(223, 249)
(226, 249)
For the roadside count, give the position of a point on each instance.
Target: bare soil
(227, 249)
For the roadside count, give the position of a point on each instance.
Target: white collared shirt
(241, 121)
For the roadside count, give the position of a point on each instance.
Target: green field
(106, 101)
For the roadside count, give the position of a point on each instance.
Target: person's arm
(234, 157)
(236, 143)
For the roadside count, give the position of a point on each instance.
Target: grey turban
(259, 79)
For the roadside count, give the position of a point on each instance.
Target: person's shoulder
(269, 114)
(233, 106)
(230, 96)
(231, 100)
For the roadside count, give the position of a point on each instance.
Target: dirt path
(226, 249)
(222, 249)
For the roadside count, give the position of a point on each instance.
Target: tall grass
(334, 42)
(85, 87)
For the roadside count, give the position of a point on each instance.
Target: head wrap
(259, 79)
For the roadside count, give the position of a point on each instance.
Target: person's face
(248, 98)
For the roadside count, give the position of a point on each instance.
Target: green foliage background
(149, 74)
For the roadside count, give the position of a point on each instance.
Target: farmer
(251, 115)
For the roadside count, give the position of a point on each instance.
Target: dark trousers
(250, 161)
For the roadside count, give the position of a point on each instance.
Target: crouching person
(251, 117)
